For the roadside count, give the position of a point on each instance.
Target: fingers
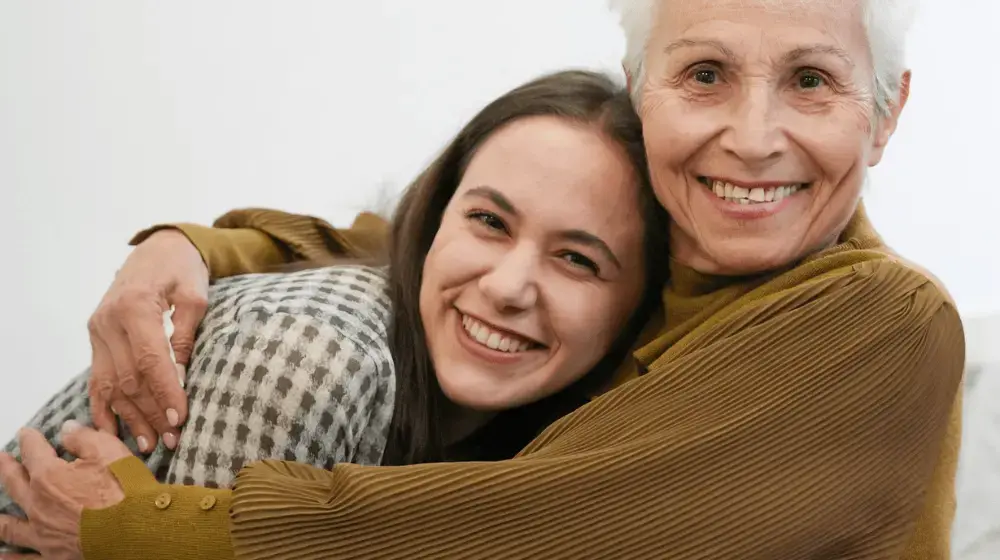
(112, 368)
(189, 310)
(145, 436)
(101, 386)
(103, 417)
(15, 481)
(142, 398)
(87, 443)
(18, 532)
(36, 452)
(151, 350)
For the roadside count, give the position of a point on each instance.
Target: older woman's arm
(805, 425)
(132, 368)
(259, 240)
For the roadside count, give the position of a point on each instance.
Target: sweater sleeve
(259, 240)
(805, 426)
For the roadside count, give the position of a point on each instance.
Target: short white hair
(887, 23)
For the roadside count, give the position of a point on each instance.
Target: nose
(511, 284)
(754, 134)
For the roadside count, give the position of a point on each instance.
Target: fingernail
(70, 426)
(143, 443)
(113, 411)
(173, 418)
(170, 440)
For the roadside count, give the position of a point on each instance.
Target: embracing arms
(259, 240)
(133, 374)
(806, 425)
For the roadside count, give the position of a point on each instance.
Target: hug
(639, 320)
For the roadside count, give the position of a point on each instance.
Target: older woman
(795, 403)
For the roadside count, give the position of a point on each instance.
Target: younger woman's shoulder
(351, 297)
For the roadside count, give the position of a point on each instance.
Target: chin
(747, 257)
(474, 398)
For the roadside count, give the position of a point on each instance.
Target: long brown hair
(580, 96)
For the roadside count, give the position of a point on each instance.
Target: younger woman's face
(537, 266)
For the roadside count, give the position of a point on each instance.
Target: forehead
(764, 22)
(557, 171)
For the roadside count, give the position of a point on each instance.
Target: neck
(460, 422)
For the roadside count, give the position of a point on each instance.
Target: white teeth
(482, 334)
(493, 339)
(743, 195)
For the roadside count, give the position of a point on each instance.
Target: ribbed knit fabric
(801, 414)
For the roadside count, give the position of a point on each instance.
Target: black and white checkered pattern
(292, 366)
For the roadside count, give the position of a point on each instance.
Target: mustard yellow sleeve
(153, 516)
(259, 240)
(808, 425)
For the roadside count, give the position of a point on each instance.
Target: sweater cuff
(227, 252)
(158, 521)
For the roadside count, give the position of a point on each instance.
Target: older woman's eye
(808, 80)
(706, 76)
(488, 220)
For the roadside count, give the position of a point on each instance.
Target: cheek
(589, 325)
(836, 145)
(671, 137)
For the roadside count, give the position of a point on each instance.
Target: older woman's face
(758, 119)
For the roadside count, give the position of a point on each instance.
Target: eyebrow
(493, 196)
(575, 235)
(686, 43)
(792, 56)
(808, 50)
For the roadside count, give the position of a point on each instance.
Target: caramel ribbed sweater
(810, 413)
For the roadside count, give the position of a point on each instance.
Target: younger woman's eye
(578, 260)
(488, 220)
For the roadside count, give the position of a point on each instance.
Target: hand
(54, 493)
(132, 374)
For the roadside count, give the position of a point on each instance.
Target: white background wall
(115, 115)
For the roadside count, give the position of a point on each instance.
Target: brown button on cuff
(207, 503)
(163, 501)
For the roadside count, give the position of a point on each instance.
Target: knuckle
(147, 360)
(129, 383)
(160, 394)
(100, 387)
(182, 343)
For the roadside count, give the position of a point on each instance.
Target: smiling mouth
(496, 339)
(749, 194)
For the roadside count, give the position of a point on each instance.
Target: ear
(887, 124)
